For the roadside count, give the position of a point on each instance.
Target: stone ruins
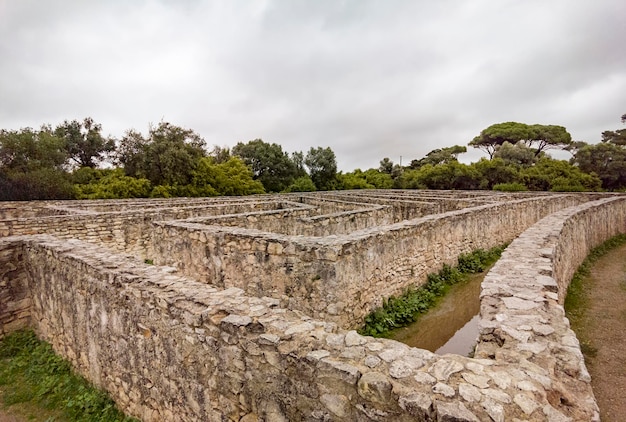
(245, 309)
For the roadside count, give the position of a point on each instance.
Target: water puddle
(451, 326)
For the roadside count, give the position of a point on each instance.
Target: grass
(405, 309)
(31, 373)
(576, 301)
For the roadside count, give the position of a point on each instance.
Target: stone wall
(127, 228)
(171, 348)
(341, 278)
(15, 299)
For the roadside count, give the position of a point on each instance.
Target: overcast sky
(370, 79)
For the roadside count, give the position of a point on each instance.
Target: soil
(602, 330)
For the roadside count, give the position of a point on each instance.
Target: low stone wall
(127, 229)
(522, 317)
(15, 300)
(341, 278)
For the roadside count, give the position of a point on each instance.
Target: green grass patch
(30, 372)
(576, 301)
(405, 309)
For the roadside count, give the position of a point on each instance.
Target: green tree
(539, 137)
(439, 156)
(607, 160)
(558, 175)
(298, 161)
(232, 177)
(386, 165)
(617, 137)
(167, 156)
(381, 180)
(495, 172)
(354, 180)
(269, 163)
(220, 154)
(518, 154)
(31, 165)
(453, 175)
(93, 183)
(322, 165)
(84, 142)
(302, 184)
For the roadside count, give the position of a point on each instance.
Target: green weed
(34, 373)
(405, 309)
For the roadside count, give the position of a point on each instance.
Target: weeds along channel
(405, 309)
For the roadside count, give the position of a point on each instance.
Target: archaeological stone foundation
(245, 309)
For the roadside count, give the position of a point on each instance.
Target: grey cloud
(370, 79)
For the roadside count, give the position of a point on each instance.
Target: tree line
(75, 161)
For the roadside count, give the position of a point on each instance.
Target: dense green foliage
(172, 161)
(269, 163)
(539, 137)
(322, 165)
(31, 372)
(403, 310)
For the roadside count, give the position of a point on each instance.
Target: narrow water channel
(452, 325)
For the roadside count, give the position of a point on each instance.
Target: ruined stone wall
(172, 348)
(343, 277)
(128, 229)
(15, 299)
(522, 315)
(169, 348)
(583, 231)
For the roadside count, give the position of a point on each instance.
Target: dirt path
(604, 332)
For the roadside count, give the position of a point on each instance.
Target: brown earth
(603, 333)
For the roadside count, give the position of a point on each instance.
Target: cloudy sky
(369, 78)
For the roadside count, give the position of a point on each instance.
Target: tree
(540, 137)
(518, 154)
(607, 160)
(269, 163)
(369, 179)
(558, 175)
(220, 154)
(231, 177)
(167, 156)
(386, 165)
(495, 172)
(548, 137)
(29, 149)
(453, 175)
(31, 165)
(440, 156)
(302, 184)
(84, 143)
(108, 184)
(617, 137)
(298, 161)
(322, 165)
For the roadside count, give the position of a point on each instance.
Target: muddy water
(451, 326)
